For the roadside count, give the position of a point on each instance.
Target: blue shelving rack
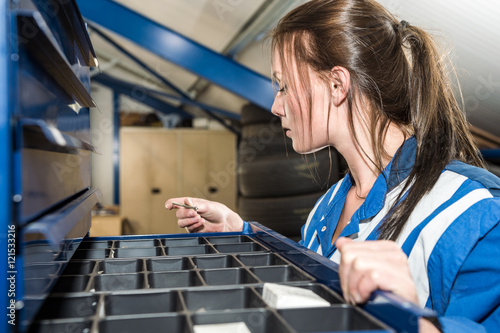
(45, 194)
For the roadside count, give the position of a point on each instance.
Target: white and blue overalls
(452, 238)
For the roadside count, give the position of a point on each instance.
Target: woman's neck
(364, 172)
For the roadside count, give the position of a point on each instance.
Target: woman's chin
(299, 148)
(305, 150)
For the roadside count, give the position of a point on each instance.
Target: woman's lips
(287, 131)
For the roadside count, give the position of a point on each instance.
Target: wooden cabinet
(158, 164)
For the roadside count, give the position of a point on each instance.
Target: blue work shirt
(452, 238)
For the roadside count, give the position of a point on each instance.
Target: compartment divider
(281, 319)
(99, 315)
(235, 258)
(90, 286)
(189, 321)
(252, 274)
(204, 240)
(203, 282)
(213, 249)
(100, 310)
(185, 289)
(145, 280)
(191, 263)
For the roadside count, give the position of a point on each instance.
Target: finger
(197, 227)
(390, 278)
(194, 229)
(361, 270)
(342, 241)
(183, 213)
(392, 256)
(368, 274)
(190, 222)
(347, 256)
(354, 262)
(371, 251)
(169, 203)
(367, 284)
(203, 206)
(389, 251)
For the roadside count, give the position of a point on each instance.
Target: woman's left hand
(371, 265)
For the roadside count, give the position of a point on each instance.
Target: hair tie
(403, 24)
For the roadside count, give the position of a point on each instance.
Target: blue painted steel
(48, 55)
(139, 62)
(56, 227)
(5, 164)
(205, 107)
(142, 94)
(490, 153)
(47, 245)
(180, 50)
(42, 176)
(387, 307)
(157, 75)
(48, 128)
(139, 94)
(38, 134)
(65, 18)
(116, 148)
(148, 96)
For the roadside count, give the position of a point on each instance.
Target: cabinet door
(194, 160)
(135, 182)
(158, 164)
(221, 169)
(165, 181)
(209, 166)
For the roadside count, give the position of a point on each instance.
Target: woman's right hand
(211, 216)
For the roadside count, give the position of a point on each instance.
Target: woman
(353, 77)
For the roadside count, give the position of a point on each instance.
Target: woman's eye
(282, 89)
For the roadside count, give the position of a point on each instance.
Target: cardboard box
(106, 225)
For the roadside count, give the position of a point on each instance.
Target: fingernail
(357, 298)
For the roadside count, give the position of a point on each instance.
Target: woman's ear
(340, 83)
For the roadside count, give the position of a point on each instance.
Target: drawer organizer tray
(173, 284)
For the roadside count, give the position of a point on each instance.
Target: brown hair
(396, 69)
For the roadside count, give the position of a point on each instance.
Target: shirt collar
(402, 163)
(393, 174)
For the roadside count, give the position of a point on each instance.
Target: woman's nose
(278, 108)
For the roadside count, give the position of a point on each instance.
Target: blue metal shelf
(6, 164)
(45, 147)
(43, 47)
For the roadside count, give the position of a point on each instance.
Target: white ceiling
(469, 29)
(208, 22)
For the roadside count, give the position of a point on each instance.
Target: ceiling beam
(180, 50)
(130, 90)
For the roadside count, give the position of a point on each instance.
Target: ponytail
(439, 126)
(397, 71)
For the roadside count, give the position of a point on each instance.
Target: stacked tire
(277, 186)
